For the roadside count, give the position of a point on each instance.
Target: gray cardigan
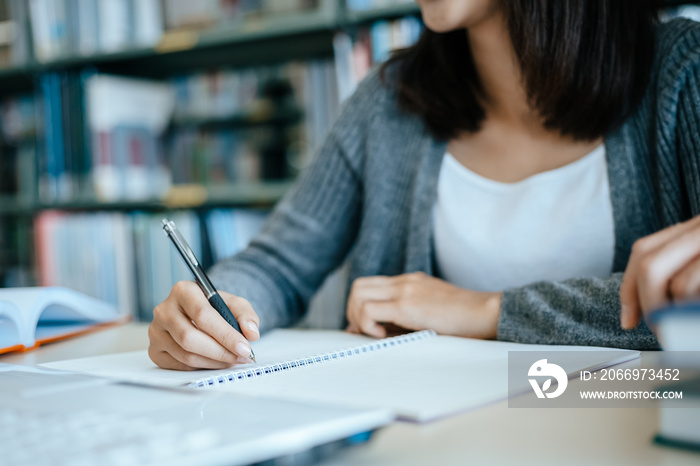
(367, 197)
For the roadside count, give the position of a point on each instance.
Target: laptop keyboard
(89, 438)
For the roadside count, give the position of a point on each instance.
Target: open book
(419, 376)
(33, 316)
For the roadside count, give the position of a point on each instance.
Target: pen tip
(252, 356)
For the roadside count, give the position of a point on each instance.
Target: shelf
(240, 120)
(253, 42)
(383, 13)
(10, 205)
(263, 194)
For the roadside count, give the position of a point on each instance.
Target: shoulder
(677, 53)
(372, 110)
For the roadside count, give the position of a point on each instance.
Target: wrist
(492, 309)
(480, 313)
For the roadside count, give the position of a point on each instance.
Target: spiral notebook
(244, 375)
(419, 376)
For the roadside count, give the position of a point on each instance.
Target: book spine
(260, 371)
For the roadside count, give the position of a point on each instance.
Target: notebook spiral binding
(261, 371)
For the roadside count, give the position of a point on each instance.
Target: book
(679, 423)
(67, 28)
(92, 253)
(355, 56)
(419, 376)
(125, 119)
(34, 316)
(678, 326)
(231, 230)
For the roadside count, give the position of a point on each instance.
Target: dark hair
(585, 65)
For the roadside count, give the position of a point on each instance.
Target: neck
(504, 95)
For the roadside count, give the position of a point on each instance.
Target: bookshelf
(258, 40)
(202, 54)
(259, 195)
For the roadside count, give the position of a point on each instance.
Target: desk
(492, 435)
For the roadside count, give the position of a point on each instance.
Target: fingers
(165, 361)
(189, 359)
(643, 274)
(187, 333)
(658, 268)
(352, 328)
(373, 313)
(247, 318)
(380, 299)
(193, 340)
(366, 290)
(194, 305)
(686, 284)
(630, 310)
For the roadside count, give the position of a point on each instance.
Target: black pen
(200, 277)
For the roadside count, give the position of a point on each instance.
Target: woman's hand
(187, 333)
(663, 267)
(417, 301)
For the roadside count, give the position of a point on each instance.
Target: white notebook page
(276, 346)
(419, 380)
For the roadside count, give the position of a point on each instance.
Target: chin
(449, 15)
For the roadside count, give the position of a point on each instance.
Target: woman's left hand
(663, 267)
(416, 301)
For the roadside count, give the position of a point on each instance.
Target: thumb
(245, 315)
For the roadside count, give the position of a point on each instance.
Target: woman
(490, 182)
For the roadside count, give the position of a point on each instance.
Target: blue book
(678, 326)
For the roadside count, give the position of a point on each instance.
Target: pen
(200, 277)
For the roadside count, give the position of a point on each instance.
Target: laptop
(55, 417)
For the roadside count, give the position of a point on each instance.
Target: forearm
(244, 277)
(306, 237)
(572, 312)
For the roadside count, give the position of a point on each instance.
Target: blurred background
(115, 113)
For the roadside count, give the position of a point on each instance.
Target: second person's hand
(188, 334)
(416, 301)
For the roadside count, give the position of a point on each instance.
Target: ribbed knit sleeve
(688, 122)
(311, 230)
(571, 312)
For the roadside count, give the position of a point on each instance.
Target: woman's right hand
(188, 334)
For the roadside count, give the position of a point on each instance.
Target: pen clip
(188, 256)
(171, 230)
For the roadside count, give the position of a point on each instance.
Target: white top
(556, 225)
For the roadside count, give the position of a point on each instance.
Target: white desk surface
(492, 435)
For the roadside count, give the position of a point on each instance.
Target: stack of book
(17, 152)
(230, 230)
(14, 39)
(124, 259)
(316, 85)
(207, 13)
(91, 253)
(158, 264)
(126, 119)
(65, 28)
(248, 125)
(63, 158)
(365, 5)
(370, 46)
(218, 93)
(98, 136)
